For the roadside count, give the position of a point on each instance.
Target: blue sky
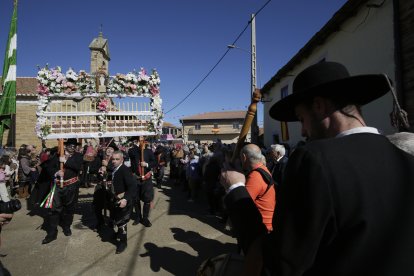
(182, 39)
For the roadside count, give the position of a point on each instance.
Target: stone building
(26, 97)
(99, 54)
(170, 131)
(207, 127)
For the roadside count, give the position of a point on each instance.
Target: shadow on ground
(178, 262)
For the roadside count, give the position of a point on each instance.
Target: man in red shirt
(262, 192)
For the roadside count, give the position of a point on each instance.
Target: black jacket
(277, 170)
(124, 182)
(72, 166)
(135, 157)
(161, 156)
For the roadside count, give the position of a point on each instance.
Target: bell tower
(99, 55)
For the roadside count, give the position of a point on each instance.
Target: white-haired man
(278, 162)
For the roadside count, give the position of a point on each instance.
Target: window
(284, 125)
(216, 125)
(236, 125)
(284, 91)
(197, 126)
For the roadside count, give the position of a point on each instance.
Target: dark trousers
(159, 175)
(121, 218)
(101, 202)
(63, 207)
(145, 193)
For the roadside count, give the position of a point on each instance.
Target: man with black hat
(347, 207)
(101, 195)
(142, 162)
(66, 191)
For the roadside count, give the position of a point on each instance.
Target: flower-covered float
(79, 105)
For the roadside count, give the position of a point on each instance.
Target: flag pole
(8, 82)
(13, 116)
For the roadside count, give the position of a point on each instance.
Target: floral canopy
(73, 105)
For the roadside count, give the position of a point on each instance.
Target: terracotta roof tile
(25, 86)
(167, 124)
(217, 115)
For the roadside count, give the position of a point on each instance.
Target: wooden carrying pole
(247, 123)
(142, 147)
(61, 149)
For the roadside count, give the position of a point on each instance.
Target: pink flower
(60, 78)
(42, 89)
(103, 104)
(154, 90)
(143, 72)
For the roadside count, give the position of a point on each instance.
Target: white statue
(102, 87)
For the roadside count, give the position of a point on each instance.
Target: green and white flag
(8, 97)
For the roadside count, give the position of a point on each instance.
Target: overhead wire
(218, 62)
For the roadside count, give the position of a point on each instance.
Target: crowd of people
(122, 177)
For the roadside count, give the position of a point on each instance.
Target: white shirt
(372, 130)
(113, 173)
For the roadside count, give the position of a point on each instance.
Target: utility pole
(254, 127)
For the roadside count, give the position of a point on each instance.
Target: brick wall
(25, 124)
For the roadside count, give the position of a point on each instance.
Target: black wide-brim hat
(72, 141)
(113, 145)
(329, 79)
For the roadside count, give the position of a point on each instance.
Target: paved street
(181, 237)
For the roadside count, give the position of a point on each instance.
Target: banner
(8, 97)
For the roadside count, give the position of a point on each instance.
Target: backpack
(267, 177)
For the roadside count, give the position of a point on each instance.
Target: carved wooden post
(247, 123)
(61, 149)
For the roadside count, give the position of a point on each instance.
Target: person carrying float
(64, 193)
(101, 195)
(142, 163)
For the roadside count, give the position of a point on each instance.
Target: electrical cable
(218, 62)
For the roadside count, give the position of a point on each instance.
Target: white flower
(70, 74)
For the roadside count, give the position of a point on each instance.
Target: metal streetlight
(254, 127)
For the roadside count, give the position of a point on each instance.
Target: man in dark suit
(278, 163)
(142, 168)
(346, 207)
(123, 191)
